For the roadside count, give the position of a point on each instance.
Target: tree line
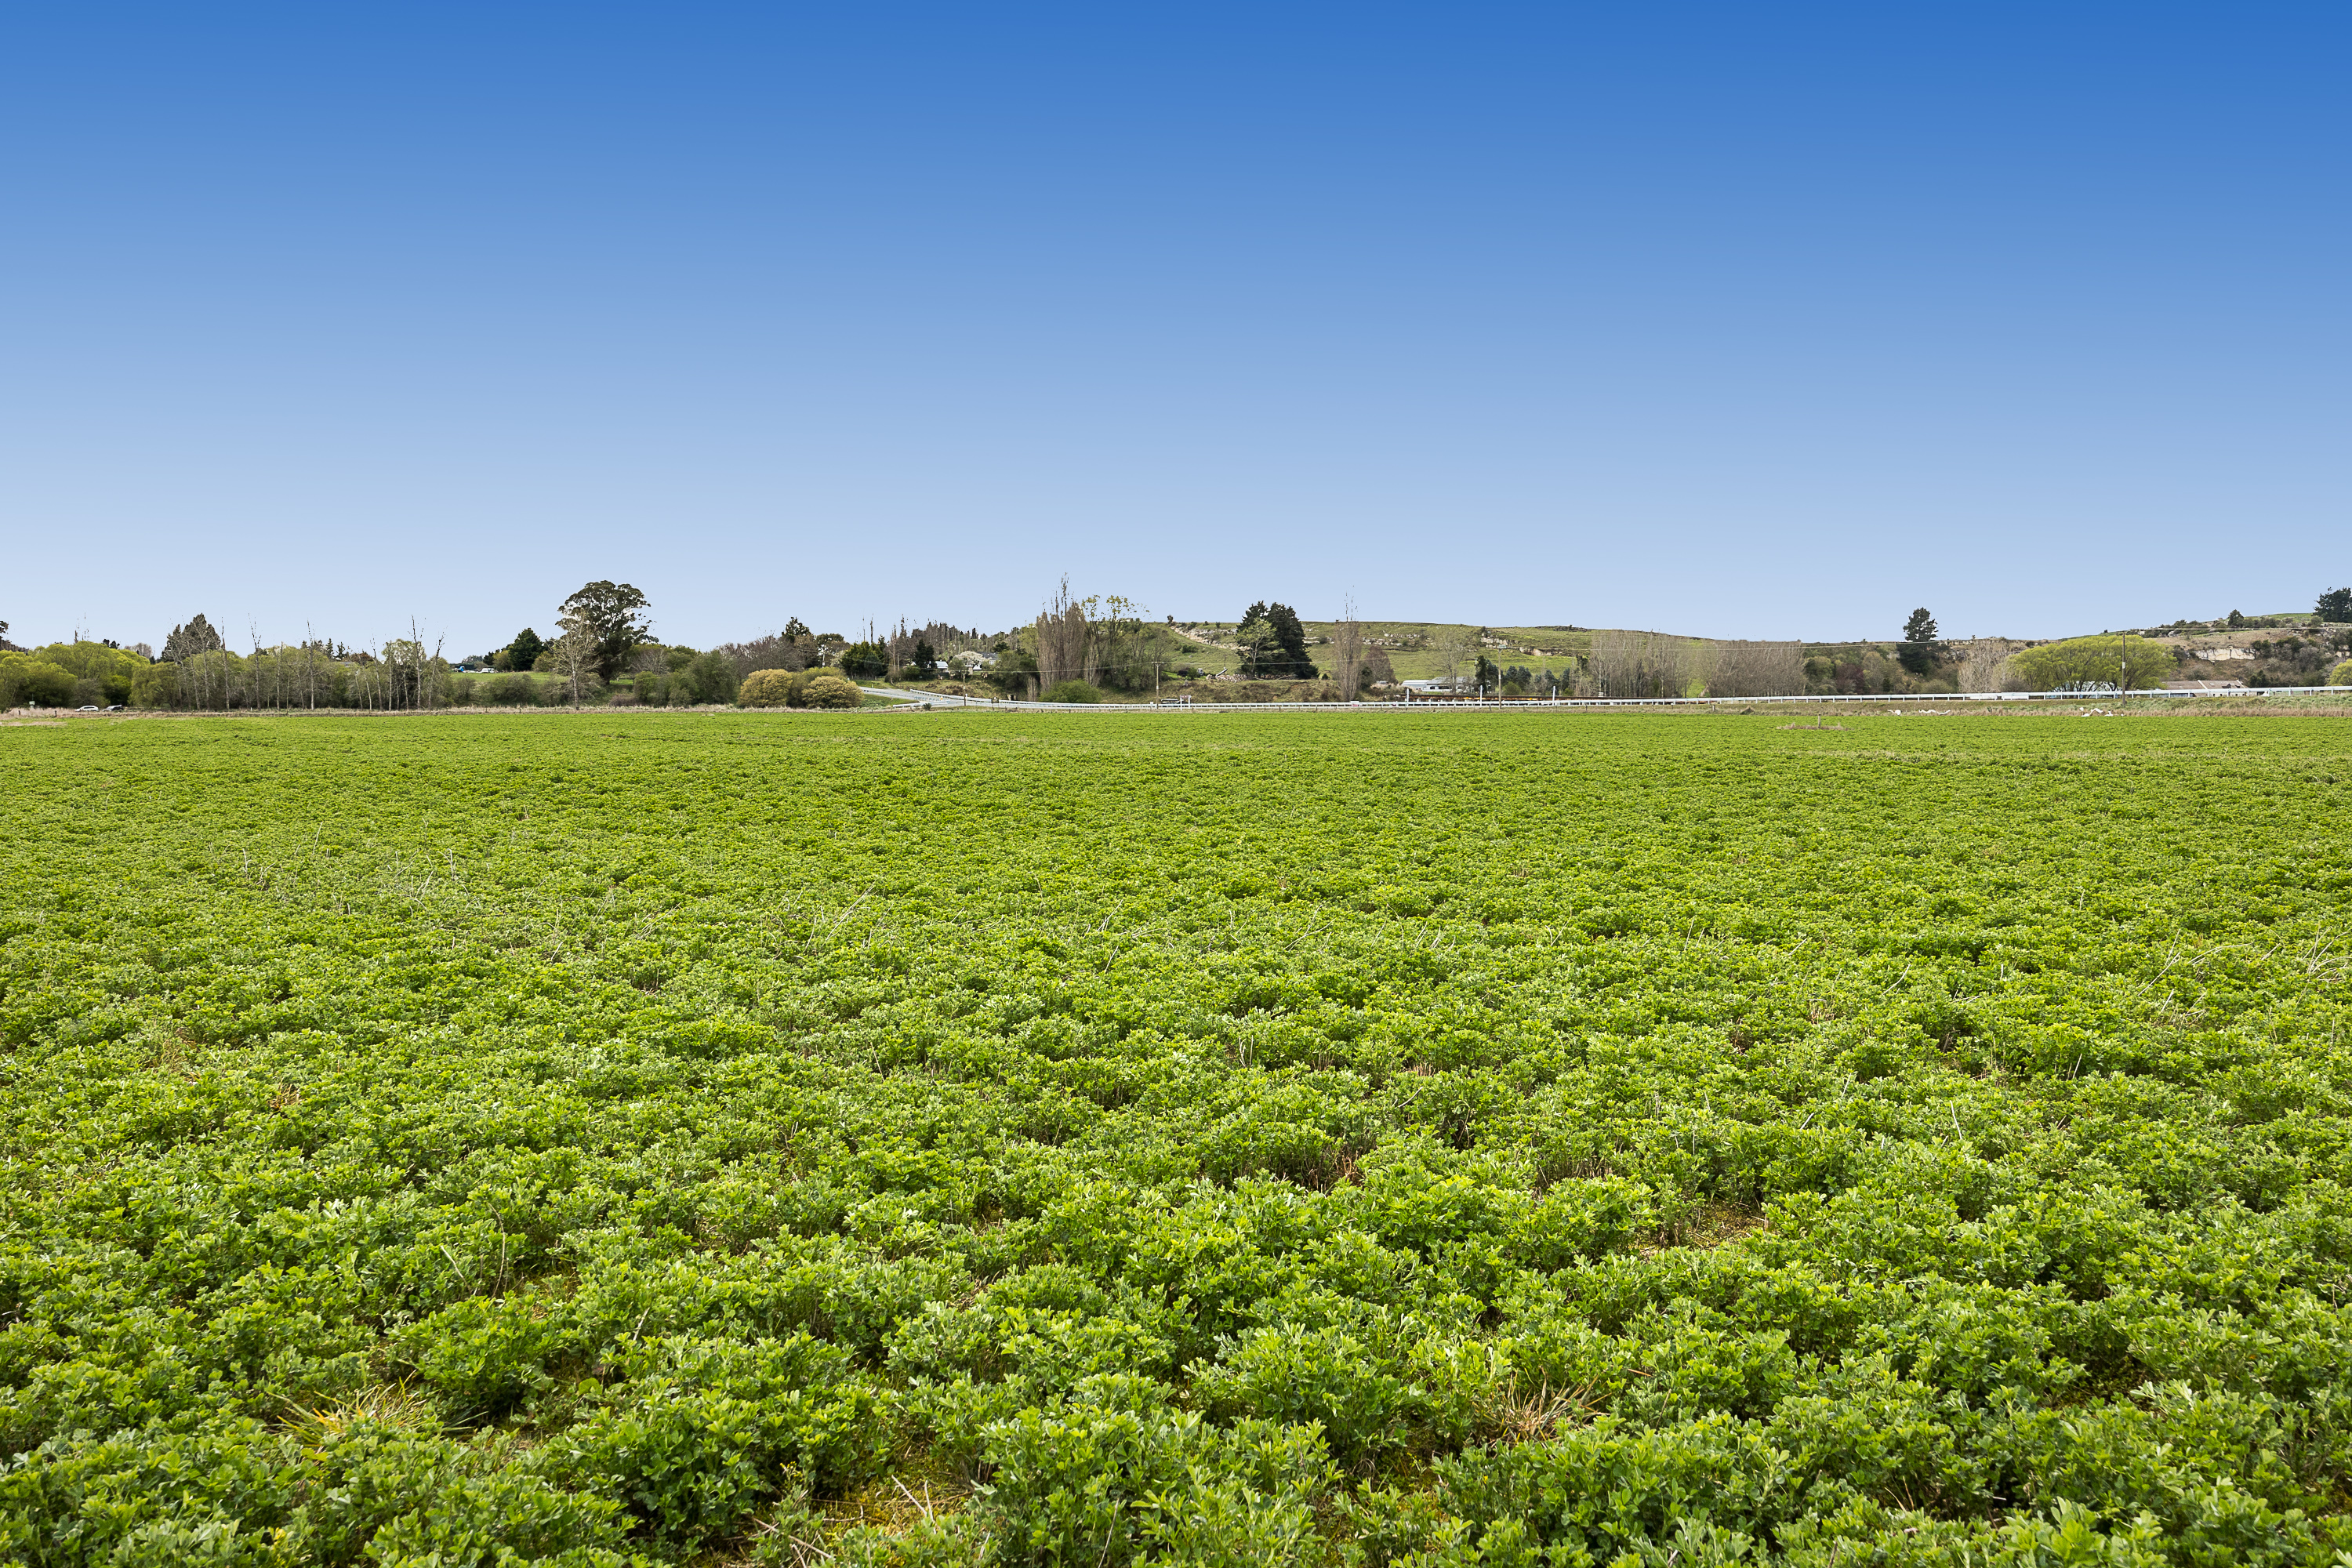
(1082, 649)
(604, 650)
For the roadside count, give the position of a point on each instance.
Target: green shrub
(706, 677)
(1072, 691)
(2341, 675)
(768, 688)
(517, 690)
(825, 690)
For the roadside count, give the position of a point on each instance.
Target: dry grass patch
(1509, 1415)
(393, 1405)
(1707, 1225)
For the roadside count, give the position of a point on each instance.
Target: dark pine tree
(523, 652)
(1287, 660)
(1920, 650)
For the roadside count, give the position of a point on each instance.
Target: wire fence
(1527, 704)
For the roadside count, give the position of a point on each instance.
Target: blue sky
(1749, 320)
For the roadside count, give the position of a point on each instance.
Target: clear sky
(1764, 321)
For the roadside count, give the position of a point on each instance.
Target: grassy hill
(1411, 646)
(2278, 643)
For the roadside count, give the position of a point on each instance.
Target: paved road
(939, 700)
(912, 698)
(1919, 702)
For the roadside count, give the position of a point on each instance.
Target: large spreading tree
(609, 620)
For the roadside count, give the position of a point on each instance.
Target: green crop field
(1090, 1139)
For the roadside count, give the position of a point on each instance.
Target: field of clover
(1096, 1139)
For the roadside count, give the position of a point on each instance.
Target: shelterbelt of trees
(1081, 649)
(92, 674)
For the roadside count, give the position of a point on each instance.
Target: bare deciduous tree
(1062, 640)
(1348, 649)
(1741, 669)
(1457, 648)
(1639, 664)
(1127, 649)
(576, 652)
(1980, 662)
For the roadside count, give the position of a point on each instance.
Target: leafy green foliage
(610, 620)
(107, 671)
(2120, 659)
(709, 678)
(507, 690)
(552, 1140)
(26, 681)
